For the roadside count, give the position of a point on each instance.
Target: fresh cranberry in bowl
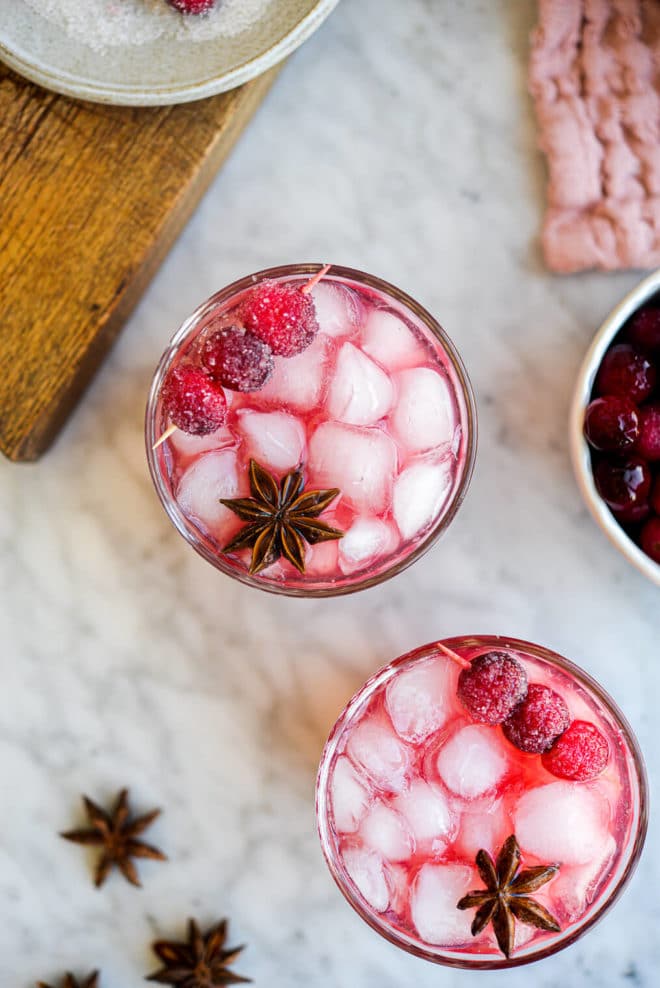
(615, 426)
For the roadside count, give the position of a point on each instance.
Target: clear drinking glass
(394, 326)
(390, 899)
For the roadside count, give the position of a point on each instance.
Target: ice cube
(297, 382)
(374, 747)
(274, 439)
(360, 393)
(472, 761)
(426, 810)
(390, 341)
(366, 870)
(210, 477)
(563, 822)
(367, 539)
(423, 416)
(188, 445)
(484, 826)
(383, 830)
(337, 308)
(418, 699)
(360, 462)
(420, 492)
(348, 797)
(321, 559)
(575, 887)
(436, 891)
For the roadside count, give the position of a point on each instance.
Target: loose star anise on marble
(202, 962)
(506, 897)
(116, 833)
(71, 982)
(281, 518)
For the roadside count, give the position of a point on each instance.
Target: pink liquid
(410, 789)
(377, 406)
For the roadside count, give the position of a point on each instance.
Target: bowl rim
(77, 87)
(579, 449)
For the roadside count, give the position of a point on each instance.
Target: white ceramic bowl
(160, 72)
(579, 448)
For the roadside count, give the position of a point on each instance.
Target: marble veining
(400, 140)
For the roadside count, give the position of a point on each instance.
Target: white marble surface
(399, 140)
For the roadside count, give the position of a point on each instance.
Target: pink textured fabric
(595, 80)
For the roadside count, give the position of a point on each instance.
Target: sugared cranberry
(626, 371)
(650, 539)
(644, 329)
(494, 684)
(237, 359)
(283, 316)
(655, 496)
(538, 721)
(611, 423)
(648, 440)
(580, 754)
(623, 483)
(192, 6)
(193, 402)
(635, 514)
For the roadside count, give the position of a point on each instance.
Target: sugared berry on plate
(624, 483)
(648, 440)
(192, 6)
(192, 401)
(494, 684)
(650, 539)
(644, 329)
(611, 423)
(282, 315)
(627, 371)
(237, 359)
(538, 721)
(580, 754)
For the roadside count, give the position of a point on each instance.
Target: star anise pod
(71, 982)
(202, 962)
(506, 897)
(116, 833)
(281, 518)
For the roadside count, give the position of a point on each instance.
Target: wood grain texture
(91, 199)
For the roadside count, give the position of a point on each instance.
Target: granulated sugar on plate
(106, 24)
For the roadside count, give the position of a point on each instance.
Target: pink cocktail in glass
(419, 791)
(373, 409)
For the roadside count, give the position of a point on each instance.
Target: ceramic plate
(160, 72)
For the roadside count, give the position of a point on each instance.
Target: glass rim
(636, 841)
(461, 384)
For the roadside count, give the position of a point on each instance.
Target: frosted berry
(494, 684)
(644, 329)
(626, 371)
(580, 754)
(283, 316)
(650, 539)
(623, 483)
(611, 423)
(538, 721)
(193, 402)
(192, 6)
(237, 359)
(648, 440)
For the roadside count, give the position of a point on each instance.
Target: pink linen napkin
(595, 80)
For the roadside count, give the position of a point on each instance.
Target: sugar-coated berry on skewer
(282, 315)
(492, 687)
(580, 754)
(192, 402)
(237, 359)
(538, 720)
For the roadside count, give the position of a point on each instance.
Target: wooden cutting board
(91, 199)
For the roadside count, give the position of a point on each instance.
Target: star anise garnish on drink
(117, 834)
(202, 962)
(506, 897)
(71, 982)
(281, 518)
